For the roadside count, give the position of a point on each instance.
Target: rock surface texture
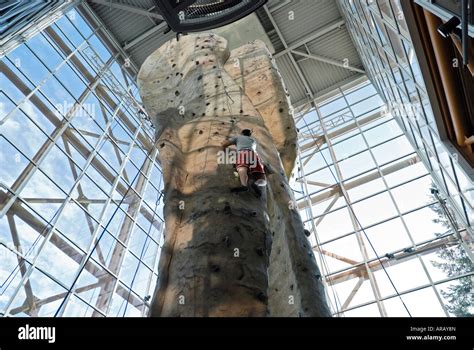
(226, 254)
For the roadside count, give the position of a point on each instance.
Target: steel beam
(362, 180)
(145, 35)
(330, 61)
(132, 9)
(314, 35)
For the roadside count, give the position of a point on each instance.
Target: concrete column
(218, 259)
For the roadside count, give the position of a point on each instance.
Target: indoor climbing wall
(226, 254)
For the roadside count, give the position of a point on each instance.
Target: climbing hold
(200, 132)
(307, 233)
(215, 268)
(259, 252)
(262, 297)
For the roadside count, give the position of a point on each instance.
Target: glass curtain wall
(382, 238)
(80, 184)
(381, 35)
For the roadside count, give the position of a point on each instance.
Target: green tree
(454, 261)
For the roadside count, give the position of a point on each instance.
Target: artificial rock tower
(226, 254)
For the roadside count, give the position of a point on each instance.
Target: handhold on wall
(262, 297)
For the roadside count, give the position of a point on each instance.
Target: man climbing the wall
(248, 162)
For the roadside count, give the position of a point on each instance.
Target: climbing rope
(229, 102)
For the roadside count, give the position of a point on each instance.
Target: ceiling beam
(128, 8)
(314, 35)
(328, 61)
(145, 35)
(279, 6)
(309, 91)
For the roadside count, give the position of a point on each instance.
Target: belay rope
(229, 102)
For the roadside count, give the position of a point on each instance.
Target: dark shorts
(251, 160)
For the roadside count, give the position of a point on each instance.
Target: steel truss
(119, 109)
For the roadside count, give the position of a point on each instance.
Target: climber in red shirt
(248, 162)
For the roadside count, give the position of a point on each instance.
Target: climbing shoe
(257, 190)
